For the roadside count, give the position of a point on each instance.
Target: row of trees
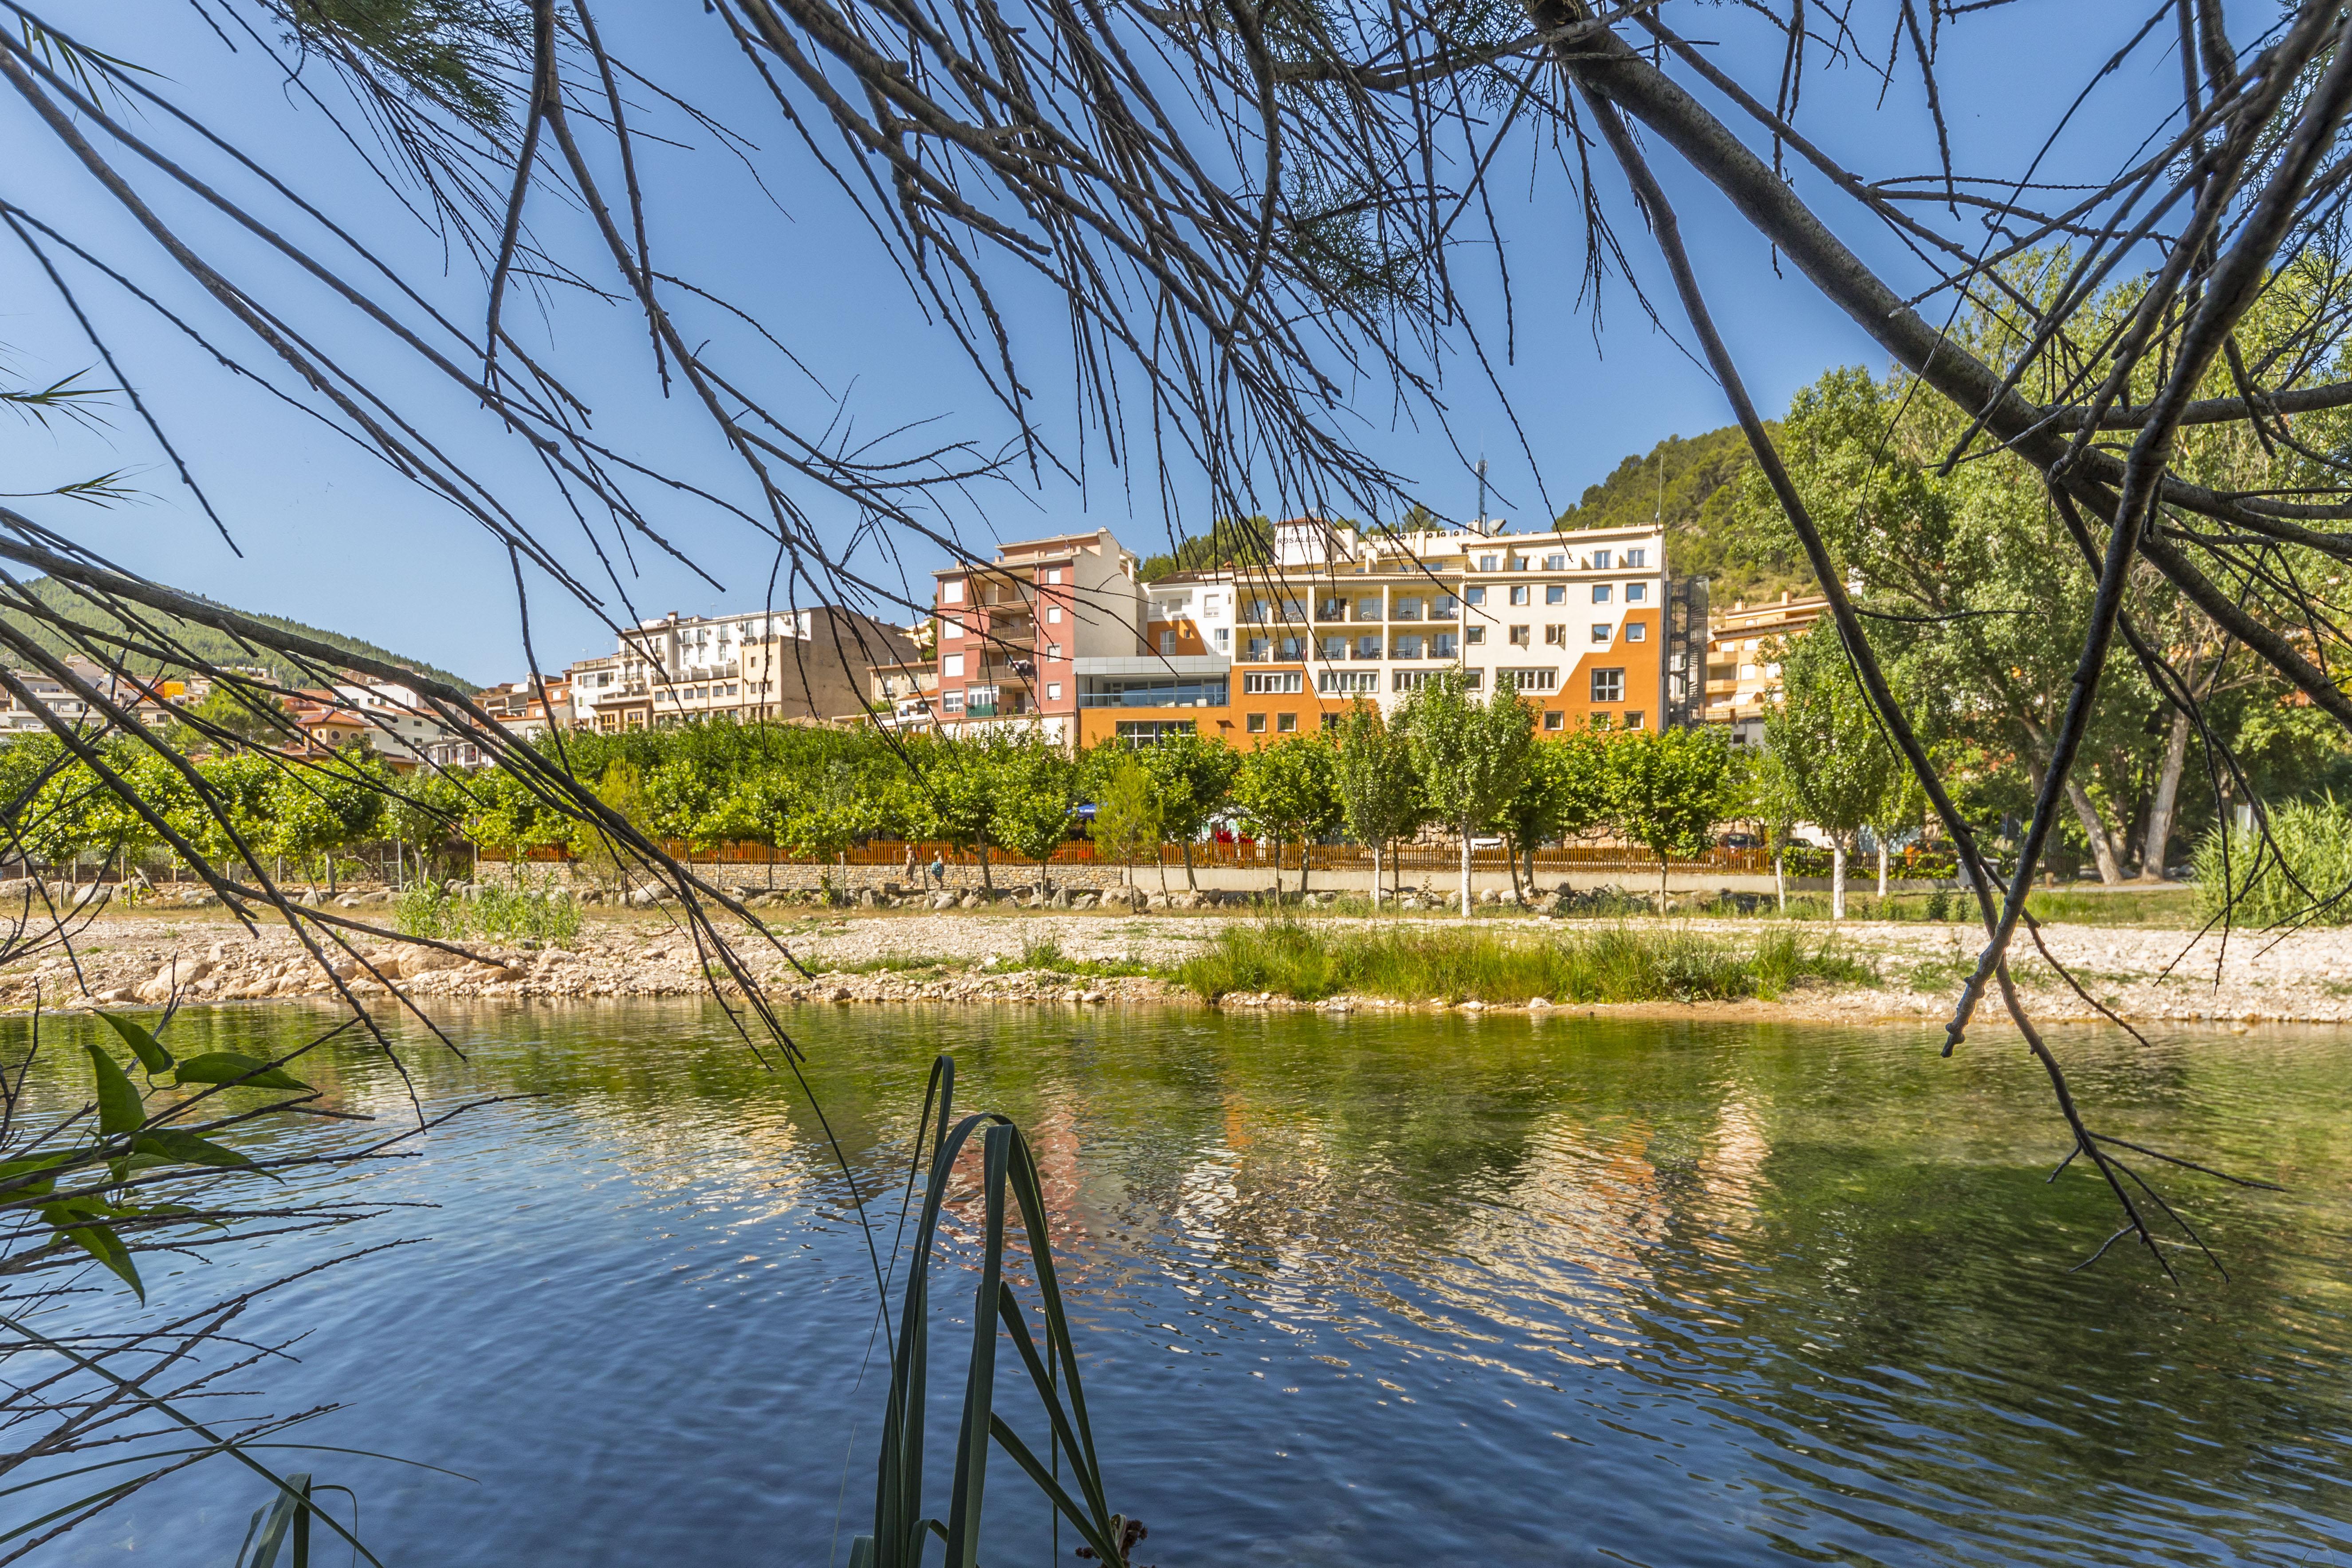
(1445, 758)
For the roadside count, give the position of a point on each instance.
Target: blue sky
(331, 536)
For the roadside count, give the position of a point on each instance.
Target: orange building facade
(1587, 624)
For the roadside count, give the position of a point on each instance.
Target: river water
(1358, 1290)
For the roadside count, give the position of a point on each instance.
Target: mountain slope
(204, 642)
(1700, 482)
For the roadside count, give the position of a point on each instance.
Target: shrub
(2313, 836)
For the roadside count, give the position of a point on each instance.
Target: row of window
(951, 591)
(949, 627)
(1557, 594)
(1288, 723)
(1633, 560)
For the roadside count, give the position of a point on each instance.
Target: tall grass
(524, 910)
(2314, 837)
(1603, 963)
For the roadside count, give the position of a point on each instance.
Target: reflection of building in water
(1731, 1170)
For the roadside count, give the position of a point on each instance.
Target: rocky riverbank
(143, 958)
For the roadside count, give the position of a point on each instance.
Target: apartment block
(1014, 634)
(804, 666)
(1743, 668)
(1586, 624)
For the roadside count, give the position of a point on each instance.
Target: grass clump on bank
(1449, 963)
(526, 912)
(2314, 887)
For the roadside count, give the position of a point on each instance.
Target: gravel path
(138, 958)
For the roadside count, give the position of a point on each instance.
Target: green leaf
(227, 1067)
(168, 1143)
(119, 1109)
(100, 1241)
(150, 1054)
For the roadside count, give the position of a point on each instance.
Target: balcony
(1331, 609)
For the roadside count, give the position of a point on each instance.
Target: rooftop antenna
(1478, 518)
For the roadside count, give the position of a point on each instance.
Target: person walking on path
(939, 871)
(910, 866)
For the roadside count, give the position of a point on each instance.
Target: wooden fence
(1410, 857)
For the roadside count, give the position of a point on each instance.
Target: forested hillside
(1691, 483)
(214, 646)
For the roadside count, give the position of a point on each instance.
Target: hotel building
(1586, 624)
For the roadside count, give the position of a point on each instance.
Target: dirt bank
(1103, 958)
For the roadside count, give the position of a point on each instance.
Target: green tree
(824, 815)
(254, 718)
(1036, 798)
(1833, 757)
(317, 808)
(1126, 812)
(1289, 793)
(1668, 788)
(1472, 755)
(1193, 778)
(1379, 786)
(1564, 793)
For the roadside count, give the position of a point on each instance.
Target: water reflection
(1379, 1290)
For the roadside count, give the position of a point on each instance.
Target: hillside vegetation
(204, 642)
(1701, 476)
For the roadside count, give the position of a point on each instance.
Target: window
(1052, 691)
(1637, 631)
(1609, 686)
(1142, 731)
(1485, 563)
(1475, 636)
(1474, 596)
(1334, 648)
(1518, 593)
(1444, 645)
(1052, 575)
(1441, 609)
(1519, 636)
(952, 666)
(950, 627)
(1601, 631)
(1053, 615)
(1167, 644)
(731, 689)
(1412, 679)
(1290, 649)
(1555, 593)
(1368, 647)
(1271, 683)
(1555, 636)
(1637, 593)
(1053, 650)
(1255, 723)
(1405, 648)
(1601, 592)
(1407, 609)
(1472, 680)
(1331, 608)
(952, 591)
(1600, 561)
(1528, 680)
(1209, 604)
(951, 701)
(1225, 639)
(1257, 650)
(1555, 562)
(1286, 722)
(1632, 718)
(1554, 719)
(1347, 683)
(1368, 609)
(1636, 559)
